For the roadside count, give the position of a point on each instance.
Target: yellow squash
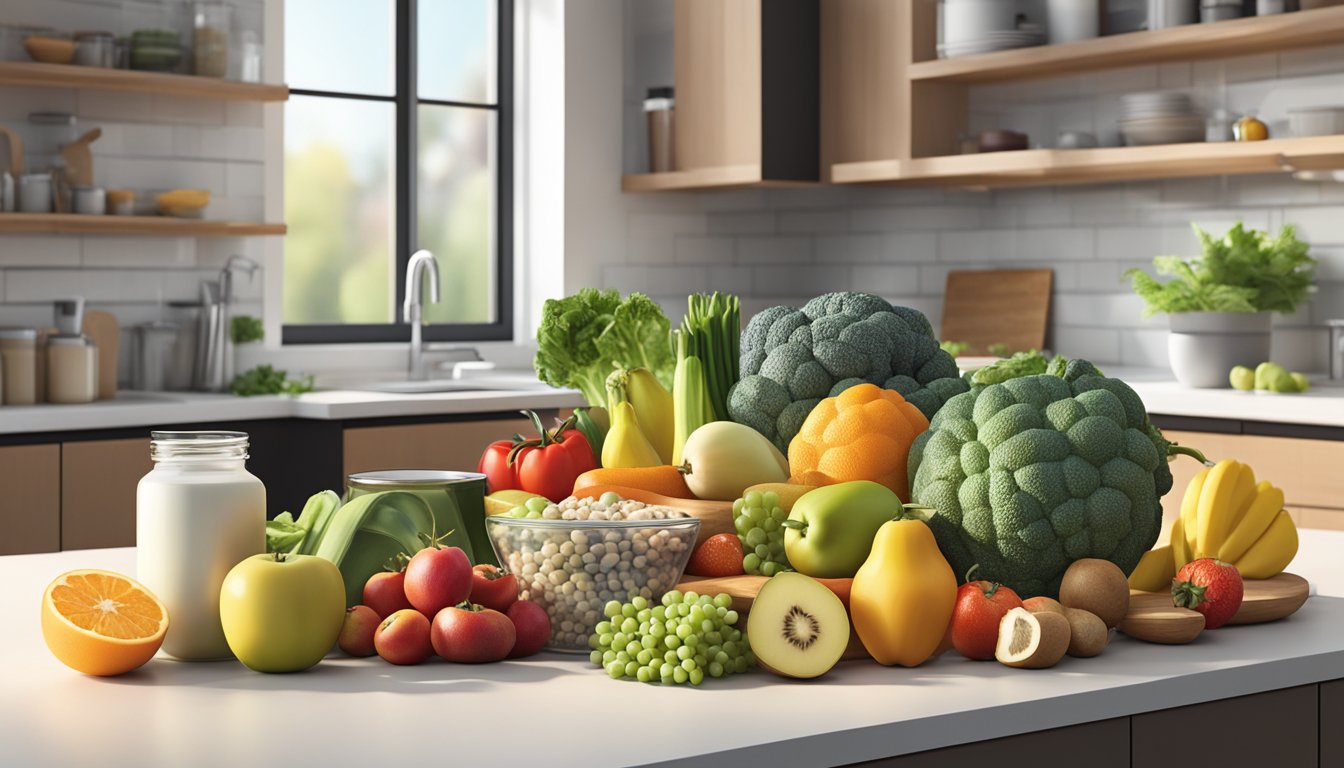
(653, 406)
(902, 597)
(626, 445)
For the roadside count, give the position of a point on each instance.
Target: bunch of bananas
(1225, 514)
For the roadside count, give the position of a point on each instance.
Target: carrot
(665, 480)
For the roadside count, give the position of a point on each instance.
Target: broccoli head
(792, 358)
(1030, 474)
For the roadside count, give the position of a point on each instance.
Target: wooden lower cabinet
(453, 445)
(1308, 471)
(98, 480)
(1288, 728)
(30, 511)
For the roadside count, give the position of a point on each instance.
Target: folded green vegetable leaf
(368, 531)
(283, 535)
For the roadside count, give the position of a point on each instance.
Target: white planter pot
(1205, 346)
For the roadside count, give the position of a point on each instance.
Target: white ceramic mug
(1073, 20)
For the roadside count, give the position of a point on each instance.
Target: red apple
(385, 593)
(493, 588)
(361, 624)
(403, 637)
(436, 578)
(531, 626)
(470, 634)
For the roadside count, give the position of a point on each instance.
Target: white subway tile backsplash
(774, 250)
(39, 251)
(182, 109)
(886, 279)
(742, 223)
(702, 249)
(910, 246)
(847, 249)
(1318, 226)
(915, 217)
(102, 252)
(44, 285)
(1143, 348)
(799, 281)
(111, 105)
(813, 222)
(1100, 345)
(244, 179)
(1054, 245)
(730, 279)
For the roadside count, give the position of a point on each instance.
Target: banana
(1189, 520)
(1155, 571)
(1243, 494)
(1272, 552)
(1180, 545)
(1264, 508)
(1216, 501)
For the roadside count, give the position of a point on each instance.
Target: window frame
(406, 101)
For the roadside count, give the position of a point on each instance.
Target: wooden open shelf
(726, 177)
(97, 78)
(82, 224)
(1101, 165)
(1237, 37)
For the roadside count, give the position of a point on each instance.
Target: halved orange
(102, 623)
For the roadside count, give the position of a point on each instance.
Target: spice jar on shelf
(210, 39)
(658, 111)
(18, 351)
(72, 369)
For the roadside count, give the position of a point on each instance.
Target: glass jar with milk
(199, 512)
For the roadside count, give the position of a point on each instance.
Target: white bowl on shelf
(1176, 129)
(1316, 121)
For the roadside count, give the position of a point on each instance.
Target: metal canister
(457, 500)
(1336, 349)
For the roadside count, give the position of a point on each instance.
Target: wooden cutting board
(997, 306)
(101, 328)
(1271, 599)
(1152, 617)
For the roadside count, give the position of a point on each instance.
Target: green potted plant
(1221, 303)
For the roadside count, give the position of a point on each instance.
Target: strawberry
(975, 618)
(719, 555)
(1209, 586)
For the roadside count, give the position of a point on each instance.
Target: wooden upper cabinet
(98, 481)
(455, 446)
(30, 510)
(748, 89)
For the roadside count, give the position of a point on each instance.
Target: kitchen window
(398, 136)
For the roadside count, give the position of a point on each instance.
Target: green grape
(757, 515)
(779, 514)
(537, 504)
(755, 537)
(758, 519)
(612, 609)
(742, 524)
(752, 500)
(609, 498)
(769, 567)
(640, 602)
(751, 563)
(692, 638)
(770, 499)
(762, 551)
(770, 525)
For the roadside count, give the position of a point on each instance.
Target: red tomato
(436, 578)
(385, 593)
(471, 634)
(975, 618)
(1212, 587)
(493, 588)
(546, 465)
(531, 626)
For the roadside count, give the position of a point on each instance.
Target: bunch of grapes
(681, 640)
(760, 526)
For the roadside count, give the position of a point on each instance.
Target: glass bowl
(572, 568)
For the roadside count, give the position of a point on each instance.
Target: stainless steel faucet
(421, 262)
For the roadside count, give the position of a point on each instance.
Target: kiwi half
(797, 626)
(1032, 640)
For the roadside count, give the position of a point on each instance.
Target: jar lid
(411, 477)
(205, 445)
(51, 118)
(19, 333)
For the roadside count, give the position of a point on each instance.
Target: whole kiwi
(1088, 634)
(1097, 586)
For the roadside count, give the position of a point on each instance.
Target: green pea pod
(368, 531)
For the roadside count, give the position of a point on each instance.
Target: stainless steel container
(457, 500)
(1336, 349)
(185, 316)
(95, 49)
(153, 362)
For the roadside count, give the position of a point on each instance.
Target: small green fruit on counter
(1268, 377)
(282, 613)
(830, 530)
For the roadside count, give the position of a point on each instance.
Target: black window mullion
(407, 63)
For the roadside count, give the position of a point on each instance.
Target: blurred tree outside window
(395, 108)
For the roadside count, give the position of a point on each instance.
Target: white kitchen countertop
(143, 409)
(1322, 405)
(558, 710)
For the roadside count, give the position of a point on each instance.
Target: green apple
(830, 530)
(282, 613)
(1242, 378)
(1300, 380)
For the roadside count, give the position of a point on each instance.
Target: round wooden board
(1152, 618)
(1271, 599)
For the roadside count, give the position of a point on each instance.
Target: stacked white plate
(1160, 118)
(980, 26)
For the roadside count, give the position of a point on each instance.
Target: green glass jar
(457, 500)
